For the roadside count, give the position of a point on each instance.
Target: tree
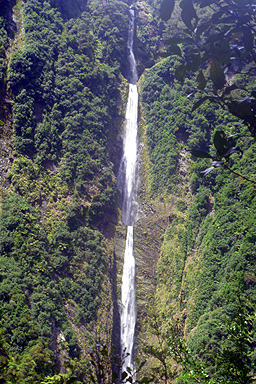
(217, 45)
(174, 362)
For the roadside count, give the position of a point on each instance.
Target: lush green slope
(62, 97)
(208, 254)
(62, 101)
(64, 80)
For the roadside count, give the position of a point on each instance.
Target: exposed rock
(5, 162)
(183, 162)
(59, 347)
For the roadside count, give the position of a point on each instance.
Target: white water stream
(127, 185)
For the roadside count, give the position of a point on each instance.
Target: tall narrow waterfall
(127, 186)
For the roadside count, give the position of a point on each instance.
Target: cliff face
(63, 96)
(62, 101)
(205, 269)
(62, 107)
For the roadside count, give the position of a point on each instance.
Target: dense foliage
(210, 246)
(62, 68)
(219, 47)
(62, 98)
(208, 254)
(63, 78)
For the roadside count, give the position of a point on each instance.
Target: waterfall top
(133, 75)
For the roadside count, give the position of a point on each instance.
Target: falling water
(127, 185)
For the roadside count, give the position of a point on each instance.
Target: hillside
(63, 91)
(207, 256)
(205, 290)
(63, 94)
(62, 103)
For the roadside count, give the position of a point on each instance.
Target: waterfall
(127, 182)
(128, 312)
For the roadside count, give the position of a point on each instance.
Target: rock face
(148, 236)
(70, 223)
(149, 232)
(5, 162)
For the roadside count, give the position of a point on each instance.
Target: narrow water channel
(127, 184)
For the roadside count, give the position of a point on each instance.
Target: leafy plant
(218, 46)
(229, 362)
(225, 146)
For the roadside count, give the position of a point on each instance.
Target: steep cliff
(206, 267)
(62, 101)
(62, 107)
(63, 95)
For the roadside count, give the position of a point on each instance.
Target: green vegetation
(64, 80)
(171, 359)
(207, 257)
(62, 97)
(219, 48)
(62, 90)
(38, 278)
(171, 123)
